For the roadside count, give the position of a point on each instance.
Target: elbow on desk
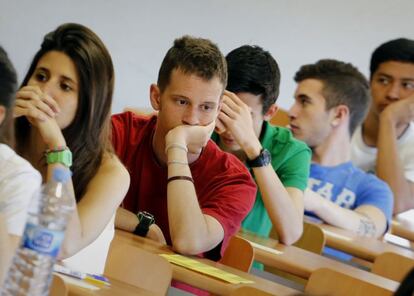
(291, 237)
(186, 246)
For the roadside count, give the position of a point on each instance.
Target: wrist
(252, 149)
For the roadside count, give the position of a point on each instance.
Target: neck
(334, 150)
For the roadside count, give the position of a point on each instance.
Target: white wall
(138, 33)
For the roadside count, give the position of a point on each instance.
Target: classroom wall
(138, 33)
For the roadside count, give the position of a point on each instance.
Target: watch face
(145, 218)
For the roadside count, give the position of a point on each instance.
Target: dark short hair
(193, 56)
(252, 69)
(343, 85)
(398, 50)
(8, 84)
(88, 136)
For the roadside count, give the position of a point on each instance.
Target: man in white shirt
(19, 181)
(384, 143)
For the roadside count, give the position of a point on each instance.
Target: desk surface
(116, 288)
(361, 247)
(199, 280)
(302, 263)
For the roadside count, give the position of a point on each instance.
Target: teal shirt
(290, 160)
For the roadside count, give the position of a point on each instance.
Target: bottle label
(42, 240)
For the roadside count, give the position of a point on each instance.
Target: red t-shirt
(224, 187)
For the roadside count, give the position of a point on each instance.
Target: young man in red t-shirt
(197, 194)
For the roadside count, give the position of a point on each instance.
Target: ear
(2, 113)
(155, 97)
(271, 112)
(341, 114)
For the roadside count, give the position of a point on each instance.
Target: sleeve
(230, 200)
(376, 193)
(120, 124)
(16, 192)
(294, 172)
(408, 162)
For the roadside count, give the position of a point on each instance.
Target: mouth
(294, 128)
(227, 141)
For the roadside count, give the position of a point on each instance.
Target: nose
(293, 111)
(48, 88)
(190, 116)
(393, 92)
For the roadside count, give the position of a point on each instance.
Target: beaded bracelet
(177, 162)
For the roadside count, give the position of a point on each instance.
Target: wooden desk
(361, 247)
(116, 288)
(302, 263)
(199, 280)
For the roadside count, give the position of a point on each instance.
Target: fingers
(220, 127)
(32, 102)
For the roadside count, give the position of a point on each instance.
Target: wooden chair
(249, 291)
(281, 118)
(58, 287)
(137, 267)
(312, 240)
(392, 266)
(239, 254)
(325, 281)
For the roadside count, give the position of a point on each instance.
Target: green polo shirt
(290, 160)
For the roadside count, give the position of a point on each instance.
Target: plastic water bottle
(31, 269)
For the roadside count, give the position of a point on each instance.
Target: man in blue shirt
(331, 100)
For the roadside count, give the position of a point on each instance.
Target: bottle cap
(61, 175)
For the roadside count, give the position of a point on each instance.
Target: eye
(206, 108)
(383, 80)
(181, 102)
(408, 85)
(65, 87)
(40, 76)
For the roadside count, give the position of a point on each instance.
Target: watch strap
(62, 156)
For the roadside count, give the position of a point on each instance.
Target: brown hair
(8, 82)
(88, 134)
(343, 85)
(193, 56)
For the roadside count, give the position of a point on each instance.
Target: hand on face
(194, 137)
(236, 118)
(40, 109)
(401, 112)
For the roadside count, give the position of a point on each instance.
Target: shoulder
(13, 165)
(112, 169)
(130, 119)
(370, 182)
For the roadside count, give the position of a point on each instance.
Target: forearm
(389, 167)
(189, 230)
(285, 212)
(125, 220)
(345, 218)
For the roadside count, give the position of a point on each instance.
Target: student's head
(191, 81)
(254, 77)
(330, 95)
(75, 69)
(391, 73)
(8, 83)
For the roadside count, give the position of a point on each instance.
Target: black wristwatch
(145, 221)
(262, 160)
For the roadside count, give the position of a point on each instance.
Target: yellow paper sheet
(205, 269)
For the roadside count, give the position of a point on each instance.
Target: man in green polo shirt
(278, 162)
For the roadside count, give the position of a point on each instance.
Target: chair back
(249, 291)
(239, 254)
(325, 281)
(58, 287)
(392, 266)
(137, 267)
(281, 118)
